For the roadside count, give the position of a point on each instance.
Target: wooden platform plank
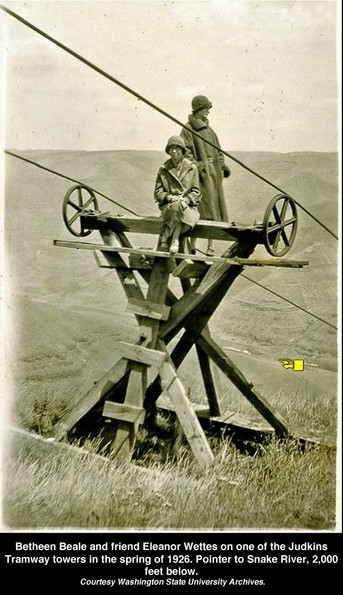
(216, 230)
(145, 308)
(137, 353)
(246, 426)
(155, 253)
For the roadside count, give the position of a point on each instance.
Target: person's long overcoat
(210, 164)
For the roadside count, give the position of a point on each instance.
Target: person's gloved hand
(226, 171)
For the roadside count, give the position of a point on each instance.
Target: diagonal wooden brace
(174, 389)
(226, 365)
(91, 398)
(205, 294)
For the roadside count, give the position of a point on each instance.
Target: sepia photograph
(170, 275)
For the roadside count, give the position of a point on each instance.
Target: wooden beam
(226, 365)
(90, 399)
(125, 435)
(123, 443)
(140, 354)
(189, 269)
(145, 308)
(123, 412)
(156, 294)
(102, 261)
(148, 252)
(140, 261)
(201, 294)
(216, 230)
(126, 276)
(190, 424)
(165, 404)
(205, 367)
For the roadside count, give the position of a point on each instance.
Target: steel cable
(283, 298)
(290, 302)
(56, 173)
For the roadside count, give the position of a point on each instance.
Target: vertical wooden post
(125, 435)
(123, 444)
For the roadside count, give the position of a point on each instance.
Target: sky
(269, 69)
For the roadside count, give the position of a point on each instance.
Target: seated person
(177, 194)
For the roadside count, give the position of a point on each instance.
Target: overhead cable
(158, 109)
(68, 178)
(284, 299)
(290, 302)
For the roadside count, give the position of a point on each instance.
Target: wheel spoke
(284, 209)
(285, 238)
(74, 217)
(72, 204)
(276, 241)
(274, 228)
(89, 202)
(276, 214)
(280, 226)
(79, 194)
(290, 221)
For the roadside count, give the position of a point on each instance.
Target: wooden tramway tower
(147, 371)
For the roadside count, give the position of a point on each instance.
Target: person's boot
(210, 249)
(163, 243)
(191, 245)
(174, 248)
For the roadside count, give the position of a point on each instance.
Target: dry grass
(282, 488)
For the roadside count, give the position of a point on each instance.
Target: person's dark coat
(211, 168)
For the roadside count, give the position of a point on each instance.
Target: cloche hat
(175, 140)
(199, 102)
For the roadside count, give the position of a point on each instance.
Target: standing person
(177, 194)
(209, 161)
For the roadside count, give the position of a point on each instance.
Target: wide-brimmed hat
(199, 102)
(175, 140)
